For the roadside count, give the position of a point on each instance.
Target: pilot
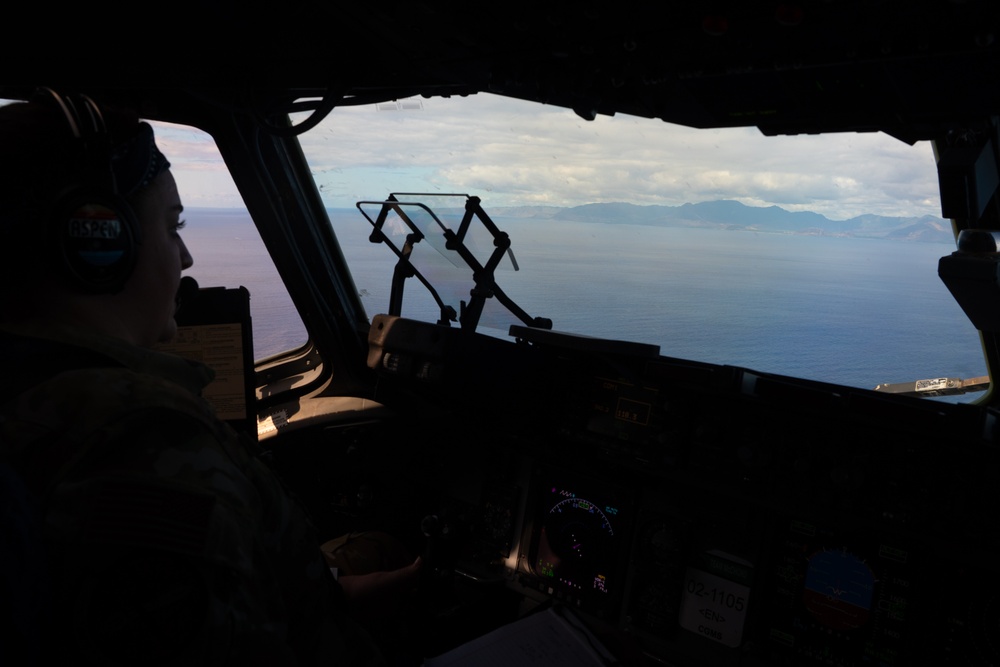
(137, 527)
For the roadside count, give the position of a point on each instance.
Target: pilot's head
(90, 219)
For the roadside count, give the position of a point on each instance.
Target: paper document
(549, 638)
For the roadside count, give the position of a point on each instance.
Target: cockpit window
(222, 238)
(808, 256)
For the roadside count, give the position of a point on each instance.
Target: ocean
(852, 311)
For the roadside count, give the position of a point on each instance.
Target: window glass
(809, 256)
(222, 239)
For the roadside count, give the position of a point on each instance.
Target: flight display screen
(577, 542)
(622, 409)
(831, 592)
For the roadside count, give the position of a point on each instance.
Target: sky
(515, 153)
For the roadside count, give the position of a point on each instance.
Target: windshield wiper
(458, 247)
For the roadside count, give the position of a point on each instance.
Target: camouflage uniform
(167, 541)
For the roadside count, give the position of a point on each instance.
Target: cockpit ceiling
(907, 68)
(785, 67)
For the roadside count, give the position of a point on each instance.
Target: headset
(92, 227)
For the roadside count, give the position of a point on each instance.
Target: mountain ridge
(733, 215)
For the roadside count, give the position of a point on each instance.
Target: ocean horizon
(853, 311)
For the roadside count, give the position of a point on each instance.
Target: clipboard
(214, 328)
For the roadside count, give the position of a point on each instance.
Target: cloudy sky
(513, 153)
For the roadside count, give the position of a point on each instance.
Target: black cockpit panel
(707, 514)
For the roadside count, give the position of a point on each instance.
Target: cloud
(511, 152)
(203, 179)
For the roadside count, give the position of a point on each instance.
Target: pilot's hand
(374, 596)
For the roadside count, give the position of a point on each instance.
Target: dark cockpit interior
(688, 512)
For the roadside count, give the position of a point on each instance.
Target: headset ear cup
(96, 235)
(93, 228)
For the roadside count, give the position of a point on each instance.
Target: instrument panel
(701, 514)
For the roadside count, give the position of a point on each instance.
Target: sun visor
(972, 275)
(968, 177)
